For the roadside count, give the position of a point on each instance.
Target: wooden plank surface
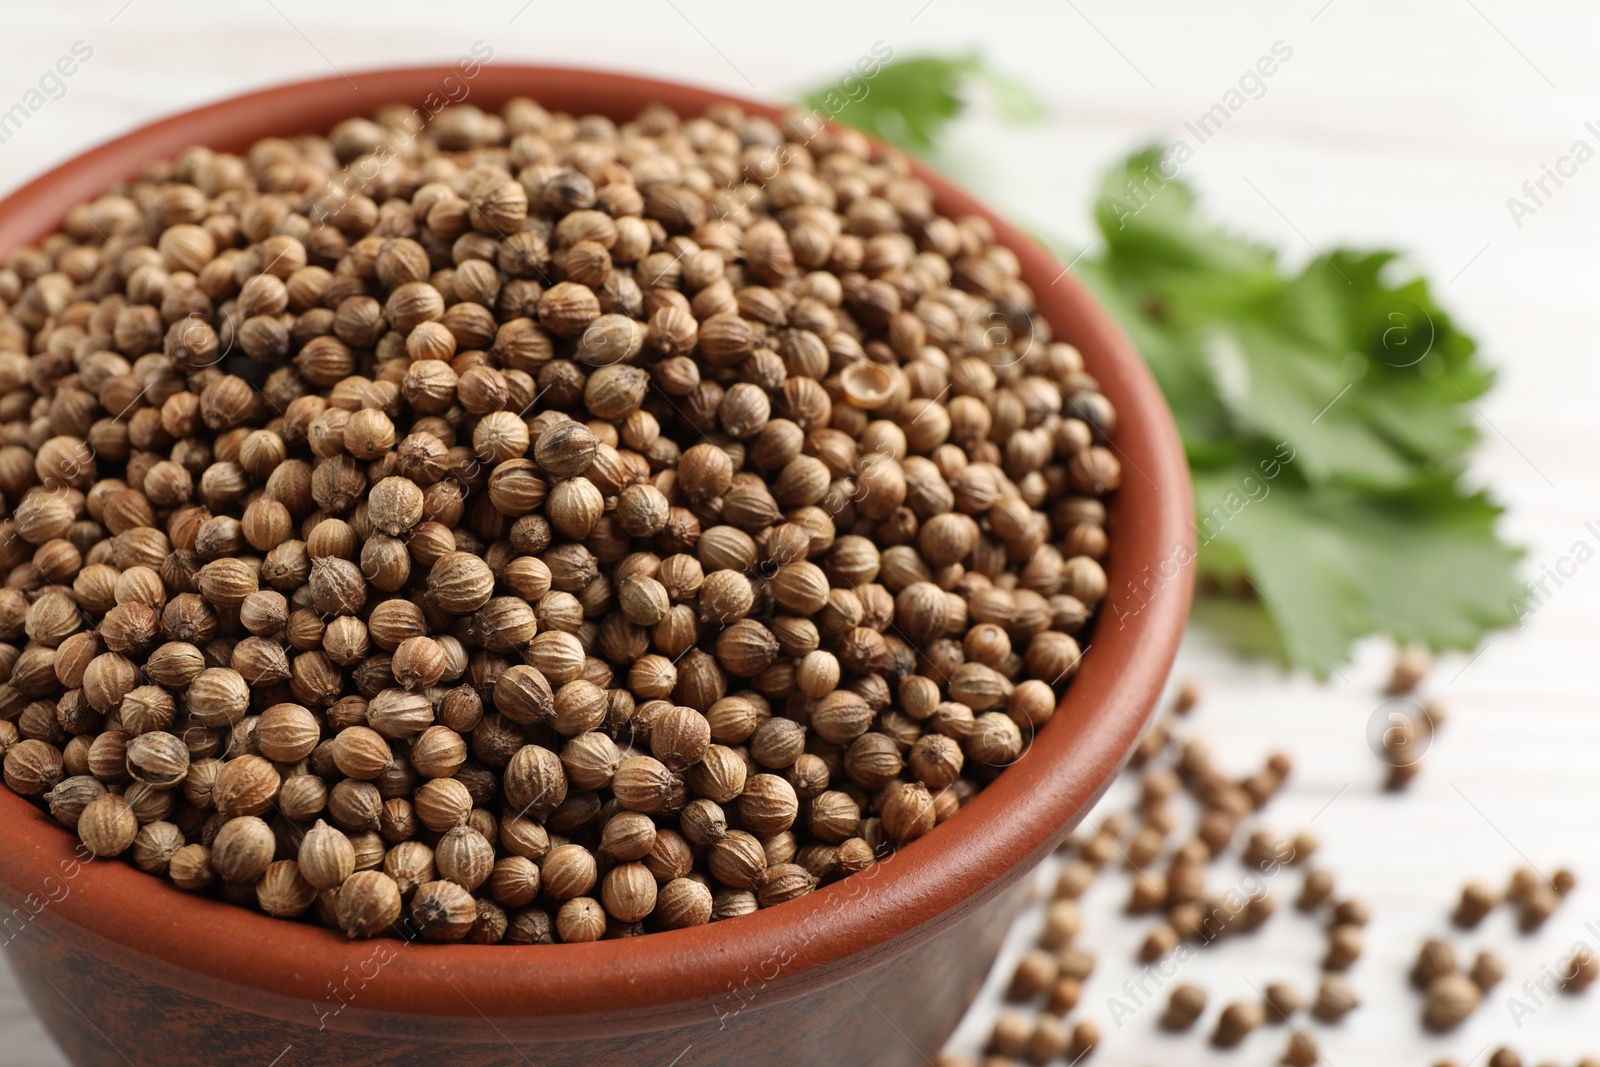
(1405, 122)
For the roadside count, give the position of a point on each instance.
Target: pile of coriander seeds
(530, 528)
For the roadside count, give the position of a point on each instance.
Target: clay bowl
(875, 969)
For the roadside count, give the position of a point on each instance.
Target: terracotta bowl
(875, 969)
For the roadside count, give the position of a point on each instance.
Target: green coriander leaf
(1152, 230)
(1016, 102)
(908, 102)
(1243, 626)
(1175, 354)
(1300, 389)
(1362, 379)
(1332, 564)
(1370, 376)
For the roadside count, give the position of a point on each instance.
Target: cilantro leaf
(1365, 380)
(908, 102)
(1330, 564)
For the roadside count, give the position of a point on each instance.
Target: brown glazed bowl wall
(874, 969)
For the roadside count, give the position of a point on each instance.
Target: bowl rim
(224, 952)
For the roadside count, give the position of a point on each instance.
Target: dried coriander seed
(1316, 889)
(1300, 1051)
(1536, 907)
(1236, 1022)
(1434, 960)
(1579, 971)
(1084, 1039)
(1185, 1004)
(1477, 900)
(1035, 972)
(1335, 999)
(443, 911)
(107, 825)
(1011, 1033)
(1283, 1001)
(1451, 999)
(1487, 970)
(1345, 943)
(1048, 1040)
(327, 858)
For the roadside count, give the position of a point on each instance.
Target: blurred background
(1402, 123)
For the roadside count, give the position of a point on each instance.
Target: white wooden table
(1401, 122)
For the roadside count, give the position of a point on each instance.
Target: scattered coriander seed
(1185, 1004)
(1487, 970)
(1075, 963)
(1345, 943)
(1189, 920)
(1048, 1040)
(1300, 1051)
(1161, 939)
(1579, 971)
(1264, 849)
(1335, 999)
(1351, 911)
(1236, 1023)
(1084, 1040)
(1257, 910)
(1434, 960)
(1524, 880)
(1062, 921)
(1011, 1033)
(1034, 973)
(1316, 889)
(1451, 999)
(1098, 850)
(1074, 878)
(1536, 907)
(1411, 664)
(1477, 900)
(1144, 847)
(1149, 892)
(1063, 995)
(1402, 769)
(1283, 1001)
